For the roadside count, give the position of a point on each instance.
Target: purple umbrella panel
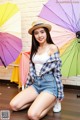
(10, 48)
(64, 13)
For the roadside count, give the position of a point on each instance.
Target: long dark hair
(35, 44)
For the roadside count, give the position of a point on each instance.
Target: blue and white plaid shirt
(53, 64)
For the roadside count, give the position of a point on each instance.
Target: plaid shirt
(53, 64)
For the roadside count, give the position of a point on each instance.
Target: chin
(41, 41)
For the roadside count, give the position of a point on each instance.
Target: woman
(44, 83)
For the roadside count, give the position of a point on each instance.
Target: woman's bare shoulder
(52, 49)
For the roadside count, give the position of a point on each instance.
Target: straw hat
(38, 24)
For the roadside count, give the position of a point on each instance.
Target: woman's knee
(14, 106)
(32, 115)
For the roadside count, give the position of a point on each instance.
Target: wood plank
(70, 104)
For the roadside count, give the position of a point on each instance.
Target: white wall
(29, 12)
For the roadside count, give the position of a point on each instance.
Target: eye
(35, 32)
(42, 31)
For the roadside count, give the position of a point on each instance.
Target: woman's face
(40, 35)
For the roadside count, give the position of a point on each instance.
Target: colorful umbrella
(24, 67)
(21, 69)
(66, 16)
(10, 33)
(15, 73)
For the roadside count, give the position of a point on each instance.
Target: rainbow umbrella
(65, 15)
(10, 33)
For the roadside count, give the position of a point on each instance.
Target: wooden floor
(70, 104)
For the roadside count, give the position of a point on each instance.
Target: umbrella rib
(68, 56)
(73, 10)
(75, 16)
(2, 62)
(68, 51)
(6, 11)
(4, 58)
(63, 37)
(77, 62)
(67, 17)
(11, 10)
(9, 51)
(72, 60)
(9, 24)
(13, 40)
(77, 23)
(3, 15)
(59, 18)
(62, 31)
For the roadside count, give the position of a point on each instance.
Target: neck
(43, 45)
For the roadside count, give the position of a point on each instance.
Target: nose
(39, 35)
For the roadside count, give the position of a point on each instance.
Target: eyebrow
(40, 30)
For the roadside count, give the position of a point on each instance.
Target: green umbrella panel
(71, 59)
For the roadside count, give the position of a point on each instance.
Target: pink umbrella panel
(24, 67)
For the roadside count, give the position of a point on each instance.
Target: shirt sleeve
(29, 80)
(58, 75)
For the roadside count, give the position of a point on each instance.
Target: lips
(41, 39)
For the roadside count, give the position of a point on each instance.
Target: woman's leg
(23, 99)
(40, 107)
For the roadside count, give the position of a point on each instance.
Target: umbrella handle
(78, 95)
(22, 87)
(2, 62)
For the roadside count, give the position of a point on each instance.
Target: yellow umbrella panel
(15, 73)
(21, 69)
(10, 19)
(10, 33)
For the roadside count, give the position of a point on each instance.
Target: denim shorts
(46, 83)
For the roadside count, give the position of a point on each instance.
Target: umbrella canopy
(10, 33)
(15, 73)
(67, 35)
(24, 67)
(21, 69)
